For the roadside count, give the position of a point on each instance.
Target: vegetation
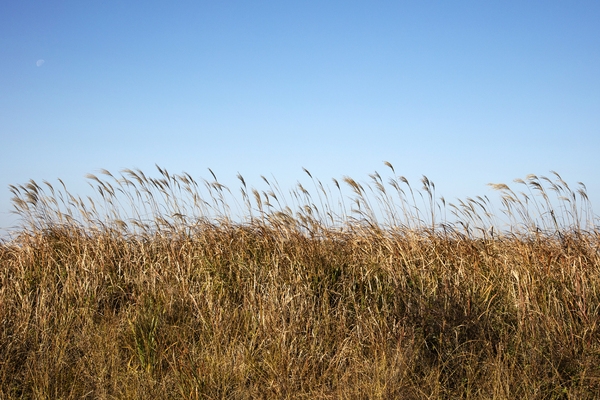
(164, 288)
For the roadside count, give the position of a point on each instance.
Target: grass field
(159, 288)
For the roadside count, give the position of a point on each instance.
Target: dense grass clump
(158, 289)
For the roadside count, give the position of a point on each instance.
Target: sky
(463, 92)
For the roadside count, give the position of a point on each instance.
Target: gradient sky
(464, 92)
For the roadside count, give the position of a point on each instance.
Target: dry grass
(164, 288)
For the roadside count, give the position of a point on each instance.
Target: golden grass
(163, 288)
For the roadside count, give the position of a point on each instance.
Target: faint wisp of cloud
(40, 62)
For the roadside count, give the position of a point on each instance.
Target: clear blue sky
(464, 92)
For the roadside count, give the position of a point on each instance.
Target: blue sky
(464, 92)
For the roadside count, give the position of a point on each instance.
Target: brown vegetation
(154, 290)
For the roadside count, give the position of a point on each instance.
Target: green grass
(158, 289)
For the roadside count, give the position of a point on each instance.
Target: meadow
(168, 288)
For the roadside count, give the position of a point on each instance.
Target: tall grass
(169, 288)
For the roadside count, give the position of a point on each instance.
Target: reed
(165, 287)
